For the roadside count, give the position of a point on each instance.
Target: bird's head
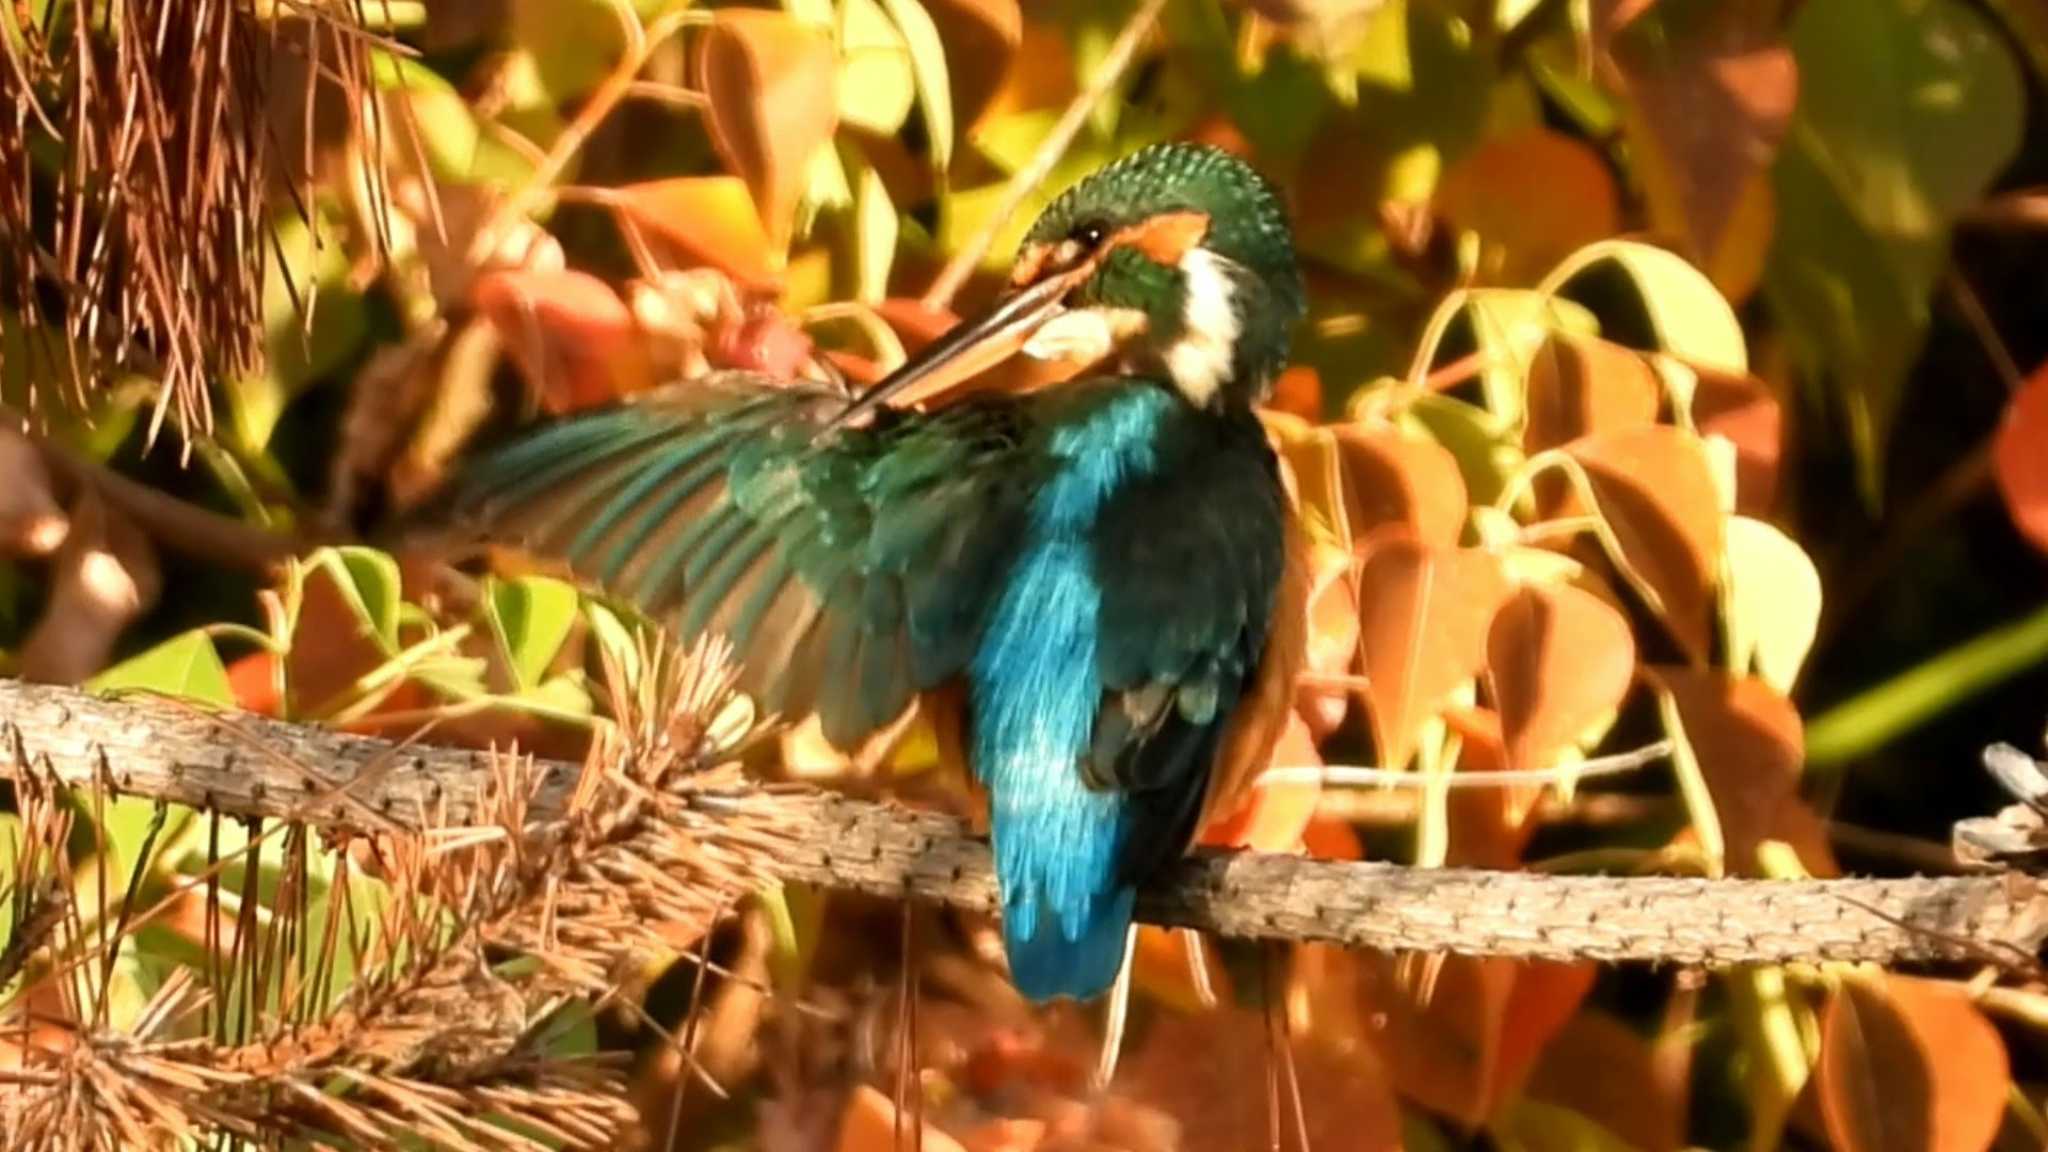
(1174, 262)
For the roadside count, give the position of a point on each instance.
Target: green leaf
(1486, 451)
(531, 617)
(613, 636)
(1688, 316)
(1527, 1125)
(928, 66)
(309, 270)
(1771, 602)
(877, 85)
(1907, 111)
(186, 665)
(457, 147)
(369, 583)
(874, 245)
(574, 43)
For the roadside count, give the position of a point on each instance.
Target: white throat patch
(1201, 359)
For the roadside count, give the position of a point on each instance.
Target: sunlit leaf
(772, 83)
(1423, 615)
(2021, 459)
(369, 583)
(1743, 409)
(1561, 660)
(876, 88)
(531, 617)
(573, 338)
(928, 65)
(186, 665)
(1567, 200)
(1771, 603)
(1907, 111)
(1748, 744)
(874, 235)
(1655, 491)
(573, 43)
(1580, 385)
(1687, 315)
(1910, 1064)
(710, 219)
(1273, 814)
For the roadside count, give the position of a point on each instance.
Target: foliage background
(1782, 503)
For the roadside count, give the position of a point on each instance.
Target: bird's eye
(1088, 235)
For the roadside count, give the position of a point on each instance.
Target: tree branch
(249, 766)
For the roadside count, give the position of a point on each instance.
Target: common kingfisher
(1093, 564)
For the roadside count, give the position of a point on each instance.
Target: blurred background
(1694, 344)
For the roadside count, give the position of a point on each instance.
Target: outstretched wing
(1190, 570)
(850, 572)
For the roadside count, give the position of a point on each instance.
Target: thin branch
(166, 751)
(1054, 146)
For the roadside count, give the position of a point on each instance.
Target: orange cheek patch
(1166, 238)
(1030, 263)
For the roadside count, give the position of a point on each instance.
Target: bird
(1092, 569)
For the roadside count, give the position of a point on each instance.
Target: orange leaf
(1332, 638)
(1423, 616)
(1655, 489)
(1580, 385)
(981, 39)
(1203, 1070)
(1750, 744)
(869, 1125)
(1561, 658)
(1565, 201)
(1910, 1064)
(1273, 815)
(1465, 1040)
(1625, 1097)
(2021, 459)
(253, 683)
(915, 324)
(1298, 391)
(1163, 967)
(708, 220)
(1489, 827)
(1394, 479)
(573, 338)
(1743, 409)
(772, 82)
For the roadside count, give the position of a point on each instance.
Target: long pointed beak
(967, 350)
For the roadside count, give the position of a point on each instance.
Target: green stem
(1875, 717)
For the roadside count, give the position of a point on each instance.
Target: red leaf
(2021, 459)
(1273, 815)
(1750, 744)
(1423, 616)
(1561, 659)
(253, 683)
(571, 335)
(1910, 1065)
(1299, 392)
(772, 85)
(1579, 385)
(1654, 488)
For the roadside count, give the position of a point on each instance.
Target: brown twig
(1028, 178)
(162, 751)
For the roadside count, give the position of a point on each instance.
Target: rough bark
(249, 766)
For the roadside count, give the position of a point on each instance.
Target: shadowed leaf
(1561, 660)
(1579, 385)
(772, 84)
(1655, 490)
(1910, 1065)
(1567, 201)
(1423, 616)
(1749, 745)
(574, 340)
(1390, 478)
(2021, 459)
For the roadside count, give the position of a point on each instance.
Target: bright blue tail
(1045, 962)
